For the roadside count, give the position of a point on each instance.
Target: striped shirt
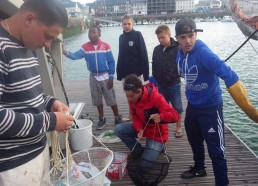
(24, 119)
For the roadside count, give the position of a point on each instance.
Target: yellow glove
(239, 94)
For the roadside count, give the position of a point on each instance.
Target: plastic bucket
(81, 138)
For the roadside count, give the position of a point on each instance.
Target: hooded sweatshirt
(152, 102)
(132, 57)
(201, 69)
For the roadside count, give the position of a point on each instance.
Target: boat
(227, 18)
(168, 21)
(197, 20)
(138, 23)
(145, 22)
(240, 159)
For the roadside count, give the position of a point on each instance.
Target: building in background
(185, 6)
(139, 7)
(161, 6)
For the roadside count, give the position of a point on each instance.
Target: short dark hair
(98, 28)
(49, 12)
(132, 83)
(161, 29)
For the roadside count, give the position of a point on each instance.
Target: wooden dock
(242, 163)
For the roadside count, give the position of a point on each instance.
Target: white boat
(173, 21)
(168, 21)
(227, 18)
(197, 20)
(138, 23)
(145, 22)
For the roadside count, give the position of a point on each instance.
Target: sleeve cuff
(111, 76)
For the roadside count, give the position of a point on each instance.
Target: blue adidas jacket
(201, 69)
(99, 60)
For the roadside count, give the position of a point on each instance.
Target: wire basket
(154, 175)
(88, 168)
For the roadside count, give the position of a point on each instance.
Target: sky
(90, 1)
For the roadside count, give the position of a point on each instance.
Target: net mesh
(154, 175)
(88, 168)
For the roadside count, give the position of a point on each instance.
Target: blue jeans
(149, 155)
(172, 94)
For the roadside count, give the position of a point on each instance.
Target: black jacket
(164, 67)
(132, 56)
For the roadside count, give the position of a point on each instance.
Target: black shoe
(118, 119)
(193, 172)
(102, 123)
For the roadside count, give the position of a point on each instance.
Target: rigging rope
(53, 63)
(242, 45)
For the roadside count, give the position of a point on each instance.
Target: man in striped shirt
(26, 113)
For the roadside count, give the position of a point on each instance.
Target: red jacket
(152, 102)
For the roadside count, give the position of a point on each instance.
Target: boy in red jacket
(150, 115)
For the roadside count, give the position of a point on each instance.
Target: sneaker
(118, 119)
(102, 123)
(193, 172)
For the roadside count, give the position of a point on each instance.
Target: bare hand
(58, 106)
(63, 121)
(64, 51)
(110, 84)
(155, 118)
(140, 135)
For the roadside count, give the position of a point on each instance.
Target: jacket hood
(148, 91)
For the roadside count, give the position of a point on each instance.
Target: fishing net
(87, 168)
(148, 173)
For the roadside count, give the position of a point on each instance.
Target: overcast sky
(90, 1)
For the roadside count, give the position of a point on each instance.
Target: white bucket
(81, 138)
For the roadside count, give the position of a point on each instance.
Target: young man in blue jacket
(202, 69)
(101, 64)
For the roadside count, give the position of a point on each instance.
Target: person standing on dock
(101, 64)
(132, 54)
(164, 70)
(26, 113)
(202, 69)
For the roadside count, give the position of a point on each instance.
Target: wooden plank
(242, 164)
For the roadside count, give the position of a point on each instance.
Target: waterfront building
(203, 6)
(185, 6)
(215, 4)
(161, 6)
(139, 7)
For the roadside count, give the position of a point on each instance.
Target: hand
(63, 121)
(140, 135)
(110, 84)
(58, 106)
(64, 51)
(155, 118)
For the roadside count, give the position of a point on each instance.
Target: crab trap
(148, 173)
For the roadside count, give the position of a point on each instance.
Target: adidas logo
(211, 130)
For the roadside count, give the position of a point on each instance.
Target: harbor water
(222, 37)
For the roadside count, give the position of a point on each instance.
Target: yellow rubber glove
(239, 94)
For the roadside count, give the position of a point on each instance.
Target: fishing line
(253, 47)
(53, 63)
(242, 45)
